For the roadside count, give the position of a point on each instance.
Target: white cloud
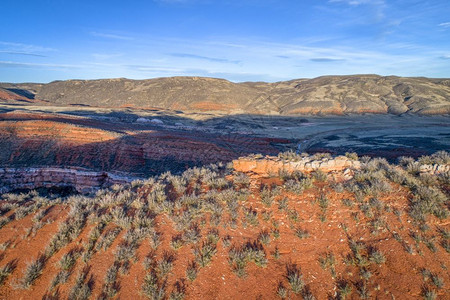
(24, 48)
(111, 36)
(105, 56)
(13, 64)
(359, 2)
(445, 25)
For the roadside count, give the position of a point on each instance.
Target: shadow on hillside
(174, 143)
(21, 92)
(143, 154)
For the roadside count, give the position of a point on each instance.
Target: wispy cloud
(24, 48)
(155, 69)
(378, 6)
(105, 56)
(22, 53)
(445, 25)
(359, 2)
(212, 59)
(13, 64)
(445, 57)
(111, 36)
(326, 59)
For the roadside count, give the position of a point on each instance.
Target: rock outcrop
(82, 180)
(270, 165)
(434, 169)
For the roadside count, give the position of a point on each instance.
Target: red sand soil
(398, 278)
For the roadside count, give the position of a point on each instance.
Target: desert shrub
(301, 233)
(375, 165)
(179, 184)
(251, 216)
(213, 236)
(154, 288)
(82, 288)
(267, 215)
(52, 295)
(359, 255)
(214, 181)
(428, 200)
(68, 260)
(328, 261)
(23, 211)
(377, 224)
(6, 270)
(283, 174)
(37, 218)
(290, 156)
(204, 253)
(294, 186)
(319, 175)
(293, 215)
(319, 156)
(238, 261)
(282, 291)
(347, 202)
(155, 239)
(110, 286)
(124, 252)
(363, 290)
(377, 257)
(434, 278)
(323, 202)
(428, 180)
(165, 264)
(192, 234)
(344, 289)
(268, 194)
(3, 221)
(351, 155)
(68, 230)
(177, 241)
(439, 158)
(241, 179)
(238, 257)
(183, 219)
(120, 217)
(405, 160)
(178, 292)
(367, 210)
(32, 272)
(157, 195)
(192, 270)
(60, 278)
(264, 237)
(5, 245)
(295, 278)
(428, 293)
(108, 238)
(283, 204)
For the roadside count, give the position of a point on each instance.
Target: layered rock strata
(82, 180)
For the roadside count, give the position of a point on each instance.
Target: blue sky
(240, 40)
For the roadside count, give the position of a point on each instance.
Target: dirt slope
(215, 233)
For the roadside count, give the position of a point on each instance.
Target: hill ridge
(343, 94)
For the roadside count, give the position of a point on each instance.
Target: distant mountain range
(325, 95)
